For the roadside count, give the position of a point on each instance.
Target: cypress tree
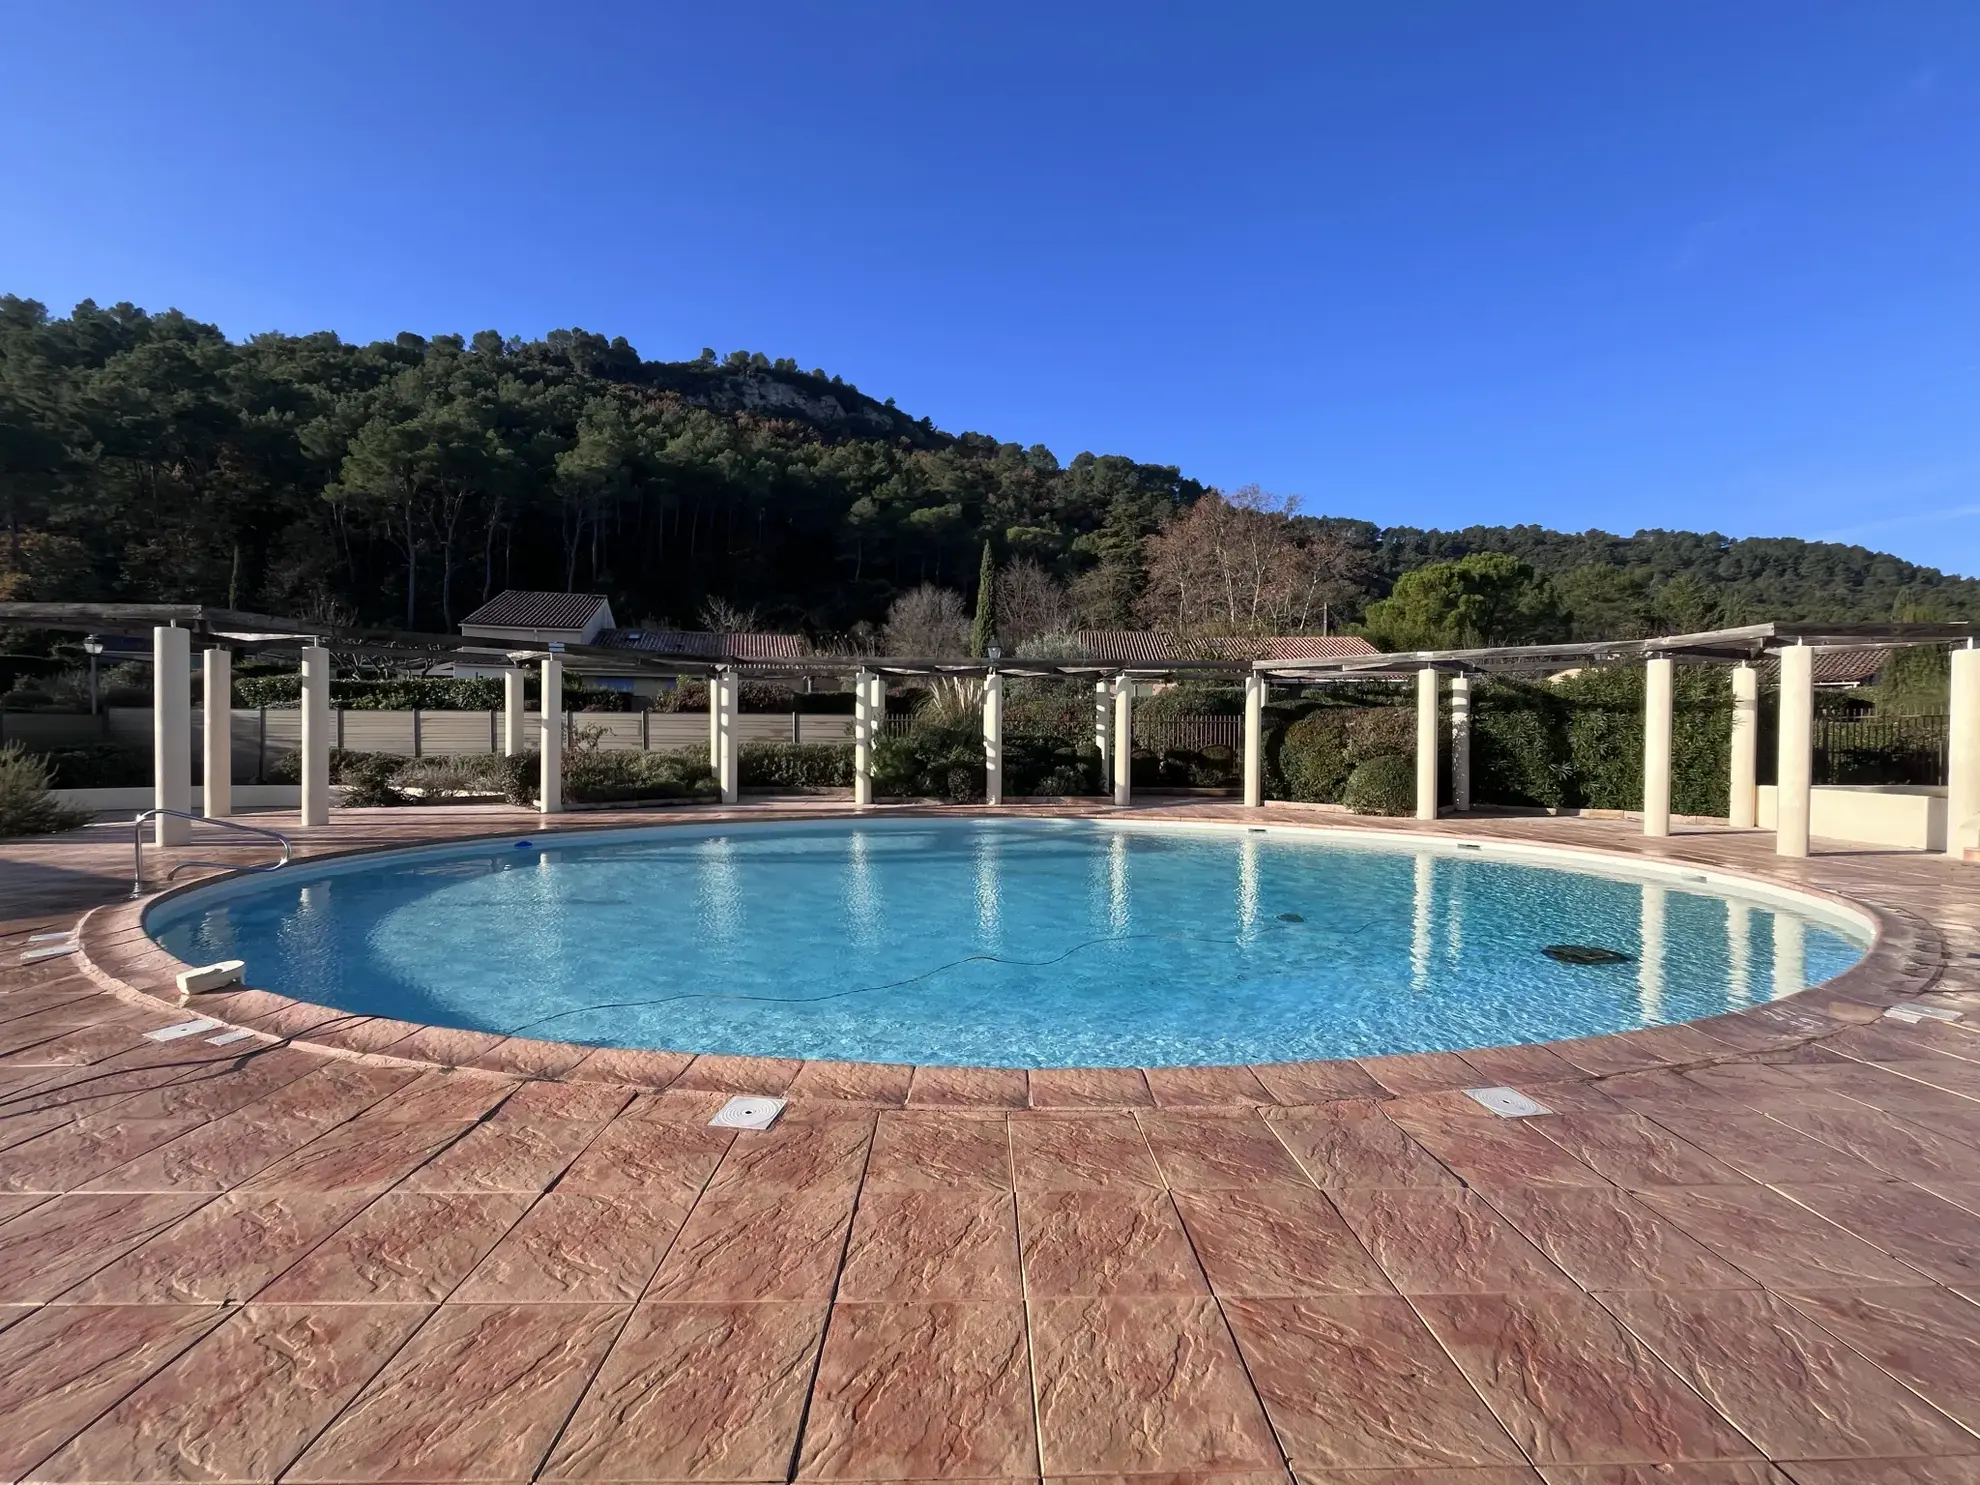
(984, 629)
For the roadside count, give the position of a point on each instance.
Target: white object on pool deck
(1507, 1103)
(747, 1112)
(1913, 1014)
(184, 1028)
(228, 1038)
(43, 938)
(211, 976)
(48, 951)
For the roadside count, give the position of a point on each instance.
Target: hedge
(1577, 743)
(1382, 785)
(795, 765)
(1315, 751)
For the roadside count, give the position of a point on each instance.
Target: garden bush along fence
(1576, 743)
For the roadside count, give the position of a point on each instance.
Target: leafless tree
(1239, 565)
(1031, 603)
(928, 623)
(719, 616)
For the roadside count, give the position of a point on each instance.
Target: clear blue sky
(1704, 265)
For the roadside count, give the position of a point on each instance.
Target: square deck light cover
(184, 1028)
(1507, 1103)
(1916, 1013)
(748, 1112)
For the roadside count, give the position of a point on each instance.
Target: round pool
(1011, 942)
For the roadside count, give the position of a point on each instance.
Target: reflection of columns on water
(721, 889)
(989, 892)
(1118, 917)
(1790, 955)
(1454, 913)
(1247, 889)
(1419, 945)
(862, 891)
(1650, 963)
(309, 937)
(1739, 952)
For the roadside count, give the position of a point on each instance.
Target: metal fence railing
(1881, 750)
(1188, 734)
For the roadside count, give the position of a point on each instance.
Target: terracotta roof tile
(518, 608)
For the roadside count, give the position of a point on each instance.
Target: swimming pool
(1009, 942)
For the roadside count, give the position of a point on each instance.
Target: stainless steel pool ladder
(137, 847)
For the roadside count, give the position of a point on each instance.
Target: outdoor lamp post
(92, 647)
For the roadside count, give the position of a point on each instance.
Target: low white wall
(246, 797)
(1910, 817)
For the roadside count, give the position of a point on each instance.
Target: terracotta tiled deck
(1752, 1239)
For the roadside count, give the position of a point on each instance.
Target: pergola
(223, 632)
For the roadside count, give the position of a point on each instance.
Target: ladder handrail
(137, 846)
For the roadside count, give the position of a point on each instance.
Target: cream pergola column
(1426, 744)
(315, 736)
(1461, 744)
(550, 780)
(1103, 727)
(1659, 701)
(1123, 741)
(993, 738)
(728, 770)
(863, 731)
(1743, 808)
(1794, 776)
(217, 741)
(1963, 754)
(171, 733)
(515, 710)
(715, 726)
(1254, 740)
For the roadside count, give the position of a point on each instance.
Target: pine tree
(984, 630)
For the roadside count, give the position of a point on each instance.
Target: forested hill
(147, 457)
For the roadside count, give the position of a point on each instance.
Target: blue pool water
(1047, 943)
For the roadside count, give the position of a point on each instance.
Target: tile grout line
(632, 1309)
(1380, 1268)
(225, 1317)
(1223, 1316)
(831, 1307)
(1025, 1299)
(234, 1309)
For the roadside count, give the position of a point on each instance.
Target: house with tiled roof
(1151, 647)
(586, 619)
(552, 618)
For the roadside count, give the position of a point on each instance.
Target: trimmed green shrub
(1051, 764)
(369, 778)
(26, 806)
(758, 697)
(1382, 785)
(380, 778)
(795, 765)
(1213, 767)
(98, 766)
(451, 776)
(1313, 758)
(596, 776)
(1519, 747)
(930, 762)
(1578, 742)
(428, 693)
(1381, 732)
